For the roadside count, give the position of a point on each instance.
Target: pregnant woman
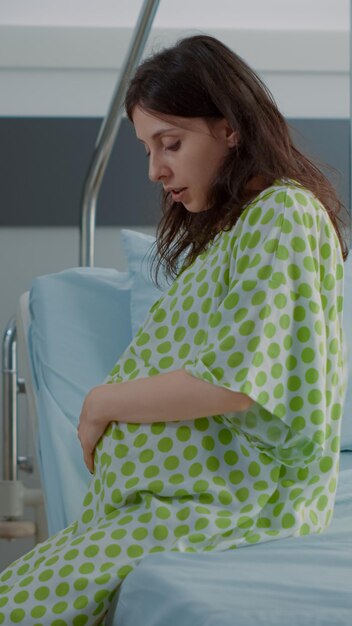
(219, 426)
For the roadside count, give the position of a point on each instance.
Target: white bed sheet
(305, 581)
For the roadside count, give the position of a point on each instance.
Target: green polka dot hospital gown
(258, 312)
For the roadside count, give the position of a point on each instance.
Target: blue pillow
(80, 325)
(138, 249)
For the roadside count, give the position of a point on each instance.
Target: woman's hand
(93, 421)
(171, 397)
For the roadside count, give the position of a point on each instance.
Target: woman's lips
(177, 194)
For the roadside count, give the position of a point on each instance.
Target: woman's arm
(174, 396)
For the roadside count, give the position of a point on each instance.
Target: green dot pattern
(255, 313)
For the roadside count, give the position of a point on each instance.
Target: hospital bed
(62, 335)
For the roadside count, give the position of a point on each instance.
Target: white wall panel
(317, 14)
(72, 71)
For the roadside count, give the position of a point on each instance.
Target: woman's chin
(192, 208)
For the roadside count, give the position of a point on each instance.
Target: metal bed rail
(107, 134)
(9, 386)
(13, 495)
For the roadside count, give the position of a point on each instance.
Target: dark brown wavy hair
(201, 77)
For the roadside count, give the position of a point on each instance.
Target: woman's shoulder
(284, 194)
(285, 213)
(275, 206)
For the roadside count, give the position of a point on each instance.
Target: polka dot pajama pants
(71, 578)
(148, 494)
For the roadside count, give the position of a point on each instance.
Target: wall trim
(63, 47)
(44, 163)
(61, 71)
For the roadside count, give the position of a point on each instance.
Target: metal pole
(9, 374)
(108, 133)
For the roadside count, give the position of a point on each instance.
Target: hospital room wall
(300, 49)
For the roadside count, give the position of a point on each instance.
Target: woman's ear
(223, 130)
(231, 136)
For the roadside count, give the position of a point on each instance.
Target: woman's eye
(174, 146)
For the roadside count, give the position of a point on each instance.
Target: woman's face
(184, 153)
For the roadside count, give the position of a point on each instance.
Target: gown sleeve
(276, 335)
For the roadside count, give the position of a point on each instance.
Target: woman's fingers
(89, 461)
(88, 448)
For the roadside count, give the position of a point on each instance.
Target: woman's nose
(157, 169)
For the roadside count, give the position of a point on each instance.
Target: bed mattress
(305, 580)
